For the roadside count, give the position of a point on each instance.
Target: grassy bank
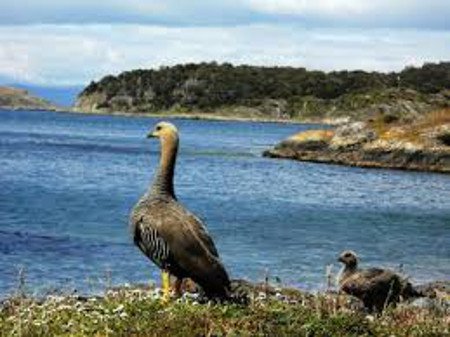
(138, 312)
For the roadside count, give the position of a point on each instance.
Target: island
(212, 90)
(20, 99)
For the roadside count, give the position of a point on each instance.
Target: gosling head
(348, 258)
(163, 131)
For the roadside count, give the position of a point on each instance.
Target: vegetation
(14, 98)
(139, 312)
(280, 92)
(432, 130)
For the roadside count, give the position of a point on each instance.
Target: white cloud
(362, 13)
(73, 54)
(322, 7)
(324, 13)
(14, 61)
(173, 12)
(346, 7)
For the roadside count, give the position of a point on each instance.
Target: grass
(138, 312)
(313, 136)
(417, 132)
(436, 118)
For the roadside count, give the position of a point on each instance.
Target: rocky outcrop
(421, 145)
(20, 99)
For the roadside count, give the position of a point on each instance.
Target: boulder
(352, 134)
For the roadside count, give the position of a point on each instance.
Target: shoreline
(190, 116)
(37, 109)
(327, 159)
(268, 310)
(206, 116)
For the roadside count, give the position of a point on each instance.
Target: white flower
(118, 309)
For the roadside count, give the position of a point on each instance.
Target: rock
(352, 134)
(421, 145)
(92, 102)
(435, 289)
(275, 108)
(423, 303)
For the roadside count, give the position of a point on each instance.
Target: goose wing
(367, 280)
(190, 247)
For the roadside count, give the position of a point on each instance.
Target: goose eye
(158, 128)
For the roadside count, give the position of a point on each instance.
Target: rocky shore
(422, 143)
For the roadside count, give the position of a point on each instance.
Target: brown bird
(170, 235)
(375, 287)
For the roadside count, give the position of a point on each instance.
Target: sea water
(69, 181)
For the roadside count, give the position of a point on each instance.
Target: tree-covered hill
(272, 92)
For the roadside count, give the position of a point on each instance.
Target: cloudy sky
(70, 42)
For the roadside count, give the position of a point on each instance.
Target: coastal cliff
(422, 143)
(276, 93)
(20, 99)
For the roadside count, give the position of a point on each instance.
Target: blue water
(68, 182)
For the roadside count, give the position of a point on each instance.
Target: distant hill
(271, 92)
(63, 96)
(18, 99)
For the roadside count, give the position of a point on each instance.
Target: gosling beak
(151, 135)
(340, 259)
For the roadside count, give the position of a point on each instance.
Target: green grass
(137, 312)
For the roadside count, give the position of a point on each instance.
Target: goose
(170, 235)
(375, 287)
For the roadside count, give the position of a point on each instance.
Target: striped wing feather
(151, 244)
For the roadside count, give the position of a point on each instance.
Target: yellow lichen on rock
(313, 136)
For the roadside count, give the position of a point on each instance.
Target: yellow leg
(165, 280)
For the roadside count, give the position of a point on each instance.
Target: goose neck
(163, 183)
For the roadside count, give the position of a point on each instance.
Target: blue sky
(68, 42)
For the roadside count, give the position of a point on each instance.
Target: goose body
(375, 287)
(170, 235)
